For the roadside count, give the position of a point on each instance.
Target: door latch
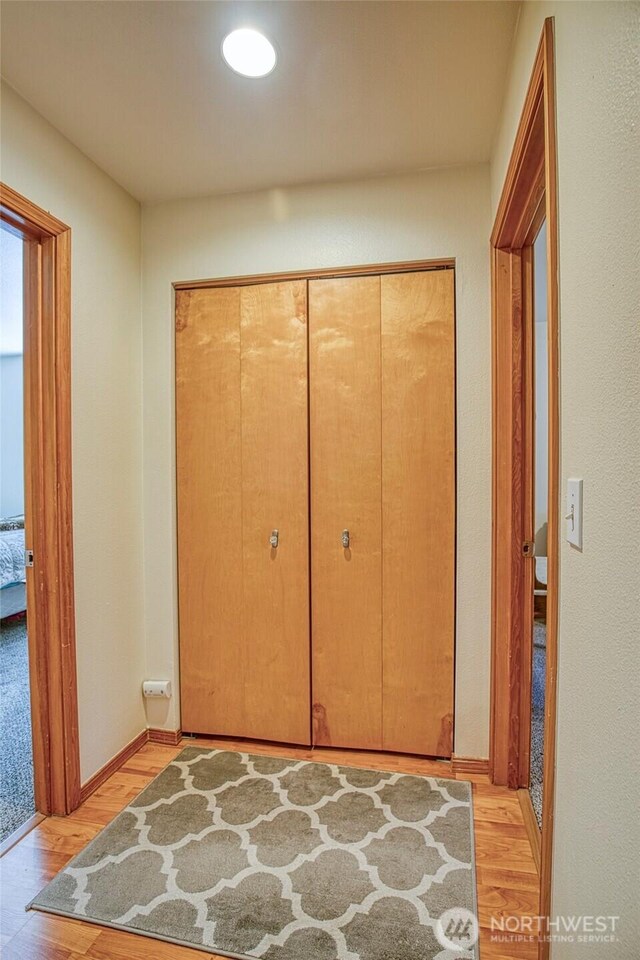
(28, 558)
(346, 539)
(273, 539)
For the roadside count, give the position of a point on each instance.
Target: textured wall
(11, 420)
(436, 214)
(107, 419)
(11, 436)
(597, 834)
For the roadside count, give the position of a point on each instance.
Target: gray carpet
(537, 717)
(16, 760)
(257, 856)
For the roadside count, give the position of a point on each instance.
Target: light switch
(573, 517)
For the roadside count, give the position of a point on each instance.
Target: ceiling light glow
(249, 53)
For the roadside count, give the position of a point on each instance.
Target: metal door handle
(345, 539)
(273, 539)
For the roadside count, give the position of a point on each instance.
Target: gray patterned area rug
(258, 856)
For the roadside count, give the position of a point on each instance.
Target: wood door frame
(48, 502)
(529, 194)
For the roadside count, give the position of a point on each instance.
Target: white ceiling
(361, 89)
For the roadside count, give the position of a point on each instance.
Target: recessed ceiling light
(249, 53)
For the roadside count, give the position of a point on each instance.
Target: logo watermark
(457, 929)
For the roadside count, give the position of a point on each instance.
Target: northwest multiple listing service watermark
(458, 931)
(564, 928)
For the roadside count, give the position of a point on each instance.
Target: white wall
(11, 440)
(435, 214)
(107, 419)
(597, 824)
(11, 406)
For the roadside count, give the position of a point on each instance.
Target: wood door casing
(344, 371)
(241, 434)
(418, 511)
(47, 421)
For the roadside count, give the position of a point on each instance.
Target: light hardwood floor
(506, 871)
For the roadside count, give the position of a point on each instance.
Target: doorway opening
(539, 492)
(17, 799)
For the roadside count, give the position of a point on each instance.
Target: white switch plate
(573, 518)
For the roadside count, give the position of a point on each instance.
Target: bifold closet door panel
(241, 403)
(418, 510)
(209, 497)
(275, 496)
(344, 372)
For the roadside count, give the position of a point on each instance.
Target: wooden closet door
(209, 496)
(418, 510)
(241, 407)
(275, 496)
(344, 371)
(381, 356)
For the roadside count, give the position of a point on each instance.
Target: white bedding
(541, 570)
(13, 599)
(11, 557)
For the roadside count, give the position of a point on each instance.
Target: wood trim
(553, 519)
(523, 179)
(508, 506)
(27, 218)
(408, 266)
(510, 275)
(531, 179)
(48, 500)
(531, 824)
(472, 765)
(91, 785)
(536, 224)
(171, 737)
(9, 842)
(64, 518)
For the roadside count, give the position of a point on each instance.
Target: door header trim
(375, 269)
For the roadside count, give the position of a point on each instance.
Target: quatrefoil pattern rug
(257, 856)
